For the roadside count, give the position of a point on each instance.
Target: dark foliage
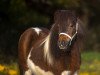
(18, 15)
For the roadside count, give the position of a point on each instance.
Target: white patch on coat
(37, 30)
(47, 55)
(68, 73)
(28, 72)
(76, 73)
(36, 70)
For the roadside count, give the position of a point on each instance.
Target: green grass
(91, 63)
(90, 56)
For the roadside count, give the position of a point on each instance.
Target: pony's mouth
(64, 45)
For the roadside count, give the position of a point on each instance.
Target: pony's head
(67, 27)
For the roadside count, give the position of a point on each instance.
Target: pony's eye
(71, 25)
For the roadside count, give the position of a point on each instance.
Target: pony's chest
(44, 69)
(39, 66)
(60, 65)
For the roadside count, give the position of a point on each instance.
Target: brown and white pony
(52, 53)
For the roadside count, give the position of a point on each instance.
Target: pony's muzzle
(63, 44)
(63, 41)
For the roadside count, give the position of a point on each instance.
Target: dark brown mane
(53, 41)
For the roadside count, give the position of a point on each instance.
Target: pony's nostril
(67, 43)
(63, 43)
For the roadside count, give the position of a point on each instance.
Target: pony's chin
(63, 48)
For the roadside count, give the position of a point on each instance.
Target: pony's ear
(81, 28)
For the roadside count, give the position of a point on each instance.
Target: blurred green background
(18, 15)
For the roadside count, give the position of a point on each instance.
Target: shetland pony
(57, 52)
